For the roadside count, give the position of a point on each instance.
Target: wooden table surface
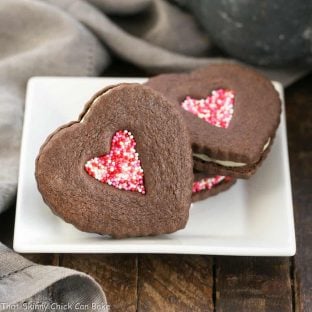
(214, 283)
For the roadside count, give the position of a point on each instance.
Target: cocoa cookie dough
(123, 169)
(232, 113)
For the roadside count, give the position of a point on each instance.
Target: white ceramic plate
(254, 217)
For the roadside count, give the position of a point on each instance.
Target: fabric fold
(23, 282)
(128, 47)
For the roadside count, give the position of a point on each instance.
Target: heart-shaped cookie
(231, 141)
(124, 169)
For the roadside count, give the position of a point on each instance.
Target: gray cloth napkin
(26, 286)
(76, 38)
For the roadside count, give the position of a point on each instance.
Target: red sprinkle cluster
(216, 109)
(121, 167)
(208, 183)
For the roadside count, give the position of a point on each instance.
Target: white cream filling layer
(226, 163)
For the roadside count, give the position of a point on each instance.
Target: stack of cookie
(231, 113)
(138, 155)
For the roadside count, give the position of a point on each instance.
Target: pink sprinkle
(216, 109)
(121, 167)
(208, 183)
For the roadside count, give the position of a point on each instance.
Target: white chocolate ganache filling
(226, 163)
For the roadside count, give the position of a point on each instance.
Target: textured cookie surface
(205, 186)
(231, 111)
(132, 189)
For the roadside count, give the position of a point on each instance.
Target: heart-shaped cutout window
(217, 109)
(121, 167)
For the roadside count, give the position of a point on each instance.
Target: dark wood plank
(45, 259)
(253, 284)
(175, 283)
(299, 122)
(117, 274)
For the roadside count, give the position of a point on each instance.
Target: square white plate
(255, 217)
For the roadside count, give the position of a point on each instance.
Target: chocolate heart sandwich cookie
(205, 186)
(232, 113)
(120, 169)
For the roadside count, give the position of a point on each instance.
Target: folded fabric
(26, 286)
